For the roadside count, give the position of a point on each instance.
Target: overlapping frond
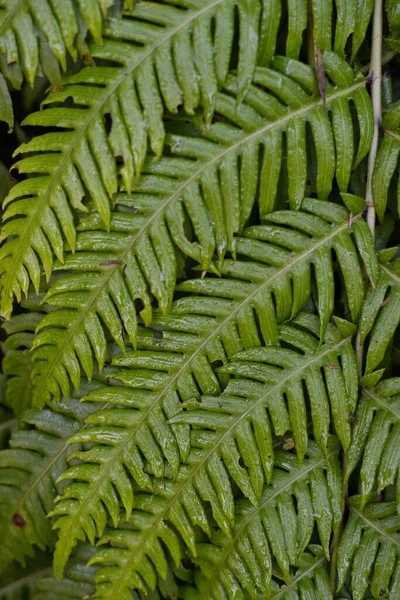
(29, 469)
(17, 362)
(376, 438)
(136, 552)
(230, 442)
(203, 178)
(325, 382)
(292, 249)
(370, 550)
(380, 314)
(81, 156)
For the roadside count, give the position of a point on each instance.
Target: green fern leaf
(28, 472)
(189, 182)
(222, 436)
(370, 549)
(272, 523)
(300, 239)
(376, 439)
(85, 156)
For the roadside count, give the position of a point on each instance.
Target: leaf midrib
(292, 585)
(10, 15)
(215, 331)
(296, 476)
(232, 148)
(125, 72)
(393, 276)
(393, 134)
(376, 527)
(226, 433)
(381, 403)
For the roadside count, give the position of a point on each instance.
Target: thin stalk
(375, 76)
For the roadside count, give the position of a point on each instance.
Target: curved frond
(376, 438)
(292, 249)
(380, 314)
(29, 469)
(201, 177)
(236, 429)
(370, 550)
(17, 362)
(136, 553)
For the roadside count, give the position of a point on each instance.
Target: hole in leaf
(139, 305)
(108, 123)
(216, 364)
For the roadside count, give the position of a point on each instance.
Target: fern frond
(202, 177)
(380, 315)
(35, 36)
(29, 469)
(17, 362)
(131, 92)
(376, 438)
(256, 369)
(136, 553)
(370, 550)
(281, 252)
(237, 425)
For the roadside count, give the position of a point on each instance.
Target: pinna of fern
(83, 158)
(99, 294)
(213, 460)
